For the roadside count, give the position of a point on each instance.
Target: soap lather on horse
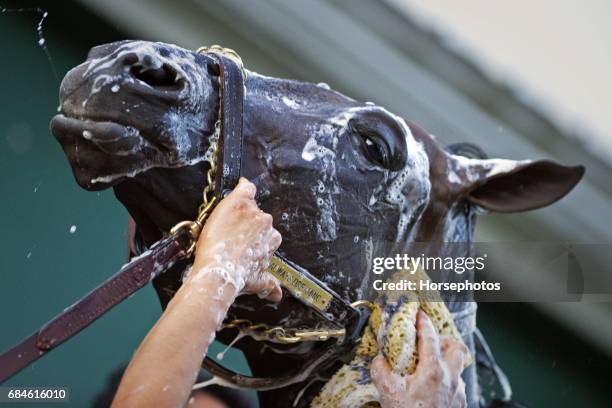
(344, 181)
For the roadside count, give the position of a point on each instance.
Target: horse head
(345, 181)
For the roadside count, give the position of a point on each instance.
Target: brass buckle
(226, 52)
(312, 335)
(195, 227)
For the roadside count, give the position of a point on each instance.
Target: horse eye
(375, 150)
(379, 137)
(372, 144)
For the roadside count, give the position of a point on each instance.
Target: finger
(246, 188)
(379, 370)
(445, 342)
(460, 398)
(268, 287)
(428, 342)
(239, 203)
(264, 218)
(454, 355)
(383, 377)
(275, 240)
(276, 295)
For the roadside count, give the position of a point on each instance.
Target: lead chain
(279, 334)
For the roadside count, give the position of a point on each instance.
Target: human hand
(237, 241)
(436, 381)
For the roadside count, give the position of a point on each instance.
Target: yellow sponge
(391, 330)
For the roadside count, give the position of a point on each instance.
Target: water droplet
(73, 229)
(115, 88)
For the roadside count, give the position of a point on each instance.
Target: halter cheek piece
(344, 322)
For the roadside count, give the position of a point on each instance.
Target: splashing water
(42, 42)
(222, 353)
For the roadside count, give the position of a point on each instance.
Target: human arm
(231, 255)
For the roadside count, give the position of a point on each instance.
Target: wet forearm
(164, 367)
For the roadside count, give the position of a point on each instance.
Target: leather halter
(162, 255)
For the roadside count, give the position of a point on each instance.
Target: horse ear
(510, 186)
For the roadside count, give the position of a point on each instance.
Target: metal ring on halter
(227, 52)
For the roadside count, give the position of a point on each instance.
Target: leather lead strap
(158, 259)
(128, 280)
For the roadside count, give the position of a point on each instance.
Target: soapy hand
(239, 239)
(437, 380)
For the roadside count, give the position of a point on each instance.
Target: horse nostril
(162, 77)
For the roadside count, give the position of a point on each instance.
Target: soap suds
(179, 141)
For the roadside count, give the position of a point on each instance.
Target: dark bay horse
(345, 181)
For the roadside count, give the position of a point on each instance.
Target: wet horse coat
(345, 181)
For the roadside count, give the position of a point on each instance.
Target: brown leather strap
(129, 279)
(159, 258)
(229, 162)
(318, 360)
